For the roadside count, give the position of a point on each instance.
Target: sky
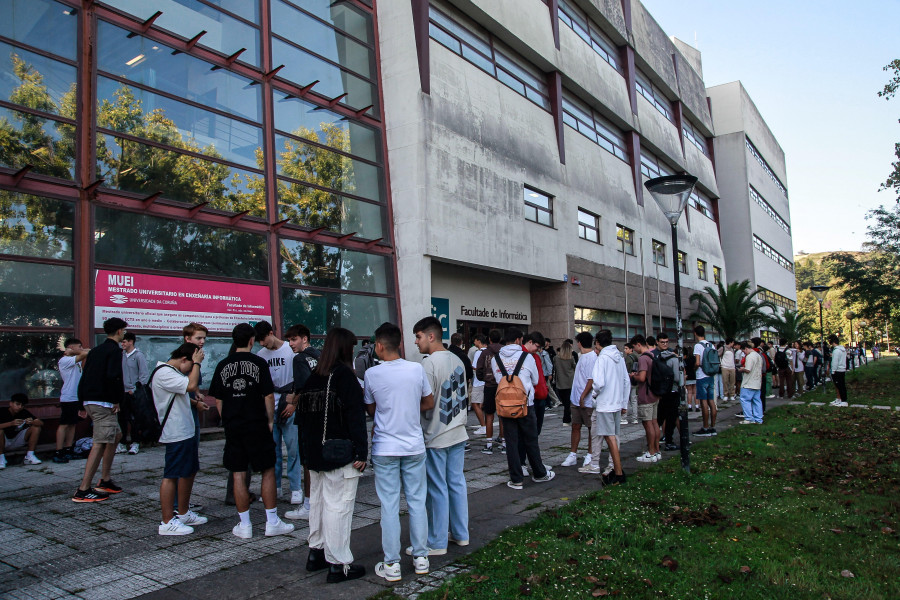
(813, 69)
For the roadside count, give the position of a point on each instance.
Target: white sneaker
(571, 460)
(297, 497)
(32, 460)
(279, 528)
(391, 572)
(480, 431)
(746, 422)
(134, 448)
(623, 422)
(301, 513)
(175, 527)
(431, 551)
(645, 457)
(634, 421)
(657, 457)
(838, 404)
(121, 449)
(524, 471)
(548, 477)
(589, 470)
(192, 518)
(2, 461)
(835, 402)
(242, 531)
(458, 542)
(587, 460)
(421, 565)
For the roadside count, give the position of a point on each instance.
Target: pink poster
(158, 302)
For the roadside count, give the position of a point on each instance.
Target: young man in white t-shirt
(477, 397)
(582, 398)
(445, 440)
(279, 355)
(396, 393)
(170, 384)
(71, 413)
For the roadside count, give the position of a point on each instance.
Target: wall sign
(440, 310)
(492, 313)
(169, 303)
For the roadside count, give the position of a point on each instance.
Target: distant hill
(809, 271)
(816, 257)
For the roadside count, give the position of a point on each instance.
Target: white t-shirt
(583, 371)
(699, 349)
(799, 360)
(169, 383)
(396, 388)
(445, 424)
(475, 381)
(71, 375)
(281, 364)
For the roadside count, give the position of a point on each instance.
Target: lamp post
(819, 291)
(671, 193)
(851, 315)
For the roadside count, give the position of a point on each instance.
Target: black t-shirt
(6, 416)
(242, 381)
(304, 363)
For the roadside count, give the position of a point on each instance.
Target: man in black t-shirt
(20, 428)
(245, 397)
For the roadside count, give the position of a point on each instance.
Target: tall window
(625, 239)
(652, 167)
(588, 226)
(659, 253)
(682, 262)
(588, 31)
(701, 269)
(538, 207)
(653, 95)
(717, 275)
(702, 204)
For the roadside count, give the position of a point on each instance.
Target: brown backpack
(512, 397)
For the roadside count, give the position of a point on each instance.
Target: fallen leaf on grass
(605, 557)
(887, 530)
(478, 578)
(533, 555)
(753, 528)
(599, 592)
(532, 544)
(648, 582)
(591, 579)
(836, 531)
(745, 569)
(669, 563)
(847, 573)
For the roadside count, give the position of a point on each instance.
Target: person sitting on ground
(20, 429)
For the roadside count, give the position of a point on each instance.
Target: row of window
(757, 197)
(653, 95)
(589, 123)
(772, 253)
(762, 162)
(588, 31)
(702, 203)
(593, 320)
(694, 137)
(777, 299)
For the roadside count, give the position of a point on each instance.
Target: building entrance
(469, 329)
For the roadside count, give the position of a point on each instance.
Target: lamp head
(671, 193)
(819, 291)
(850, 315)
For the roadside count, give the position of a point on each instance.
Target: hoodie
(528, 374)
(611, 383)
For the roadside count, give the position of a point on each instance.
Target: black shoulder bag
(334, 451)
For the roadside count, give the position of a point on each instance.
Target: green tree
(791, 325)
(733, 310)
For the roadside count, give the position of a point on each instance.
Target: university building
(348, 163)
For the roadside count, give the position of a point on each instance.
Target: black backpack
(365, 359)
(781, 359)
(661, 377)
(146, 419)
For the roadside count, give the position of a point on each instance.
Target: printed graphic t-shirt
(242, 381)
(445, 424)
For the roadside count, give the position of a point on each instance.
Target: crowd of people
(291, 404)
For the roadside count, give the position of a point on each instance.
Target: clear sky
(813, 69)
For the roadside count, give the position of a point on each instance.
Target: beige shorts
(477, 395)
(582, 415)
(647, 412)
(106, 424)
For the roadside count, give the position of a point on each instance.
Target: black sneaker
(702, 432)
(612, 479)
(336, 573)
(670, 447)
(89, 496)
(711, 431)
(59, 458)
(316, 560)
(108, 486)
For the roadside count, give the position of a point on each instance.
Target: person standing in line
(648, 404)
(534, 344)
(445, 441)
(134, 371)
(611, 388)
(70, 413)
(456, 343)
(798, 361)
(306, 358)
(690, 382)
(720, 386)
(102, 389)
(245, 396)
(489, 406)
(705, 385)
(582, 399)
(728, 369)
(170, 384)
(279, 355)
(477, 396)
(751, 390)
(838, 370)
(668, 403)
(396, 393)
(630, 366)
(330, 405)
(811, 365)
(564, 372)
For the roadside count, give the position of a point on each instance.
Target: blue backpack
(709, 361)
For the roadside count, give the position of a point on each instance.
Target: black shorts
(69, 414)
(253, 447)
(489, 406)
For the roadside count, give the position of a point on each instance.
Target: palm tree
(792, 325)
(733, 311)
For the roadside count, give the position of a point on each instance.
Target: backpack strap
(515, 372)
(501, 366)
(162, 425)
(519, 364)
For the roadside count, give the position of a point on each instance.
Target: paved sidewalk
(55, 548)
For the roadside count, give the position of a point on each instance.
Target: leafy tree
(888, 92)
(733, 310)
(791, 325)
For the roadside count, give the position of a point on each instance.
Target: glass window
(316, 265)
(653, 95)
(28, 364)
(652, 166)
(682, 262)
(187, 18)
(36, 82)
(341, 15)
(593, 320)
(762, 162)
(762, 202)
(310, 163)
(50, 26)
(300, 118)
(717, 275)
(130, 239)
(322, 39)
(772, 253)
(694, 136)
(593, 126)
(36, 295)
(702, 204)
(159, 347)
(659, 253)
(588, 226)
(144, 169)
(701, 269)
(625, 239)
(588, 31)
(538, 207)
(311, 207)
(35, 226)
(47, 145)
(320, 311)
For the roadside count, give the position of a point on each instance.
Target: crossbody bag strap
(327, 396)
(162, 425)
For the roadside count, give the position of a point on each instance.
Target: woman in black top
(333, 482)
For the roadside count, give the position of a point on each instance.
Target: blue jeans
(706, 388)
(447, 503)
(392, 473)
(751, 402)
(289, 434)
(719, 387)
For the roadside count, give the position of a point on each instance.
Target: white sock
(245, 518)
(29, 454)
(306, 502)
(272, 516)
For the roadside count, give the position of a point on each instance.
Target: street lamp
(819, 291)
(851, 315)
(671, 193)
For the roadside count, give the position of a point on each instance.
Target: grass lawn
(877, 383)
(804, 506)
